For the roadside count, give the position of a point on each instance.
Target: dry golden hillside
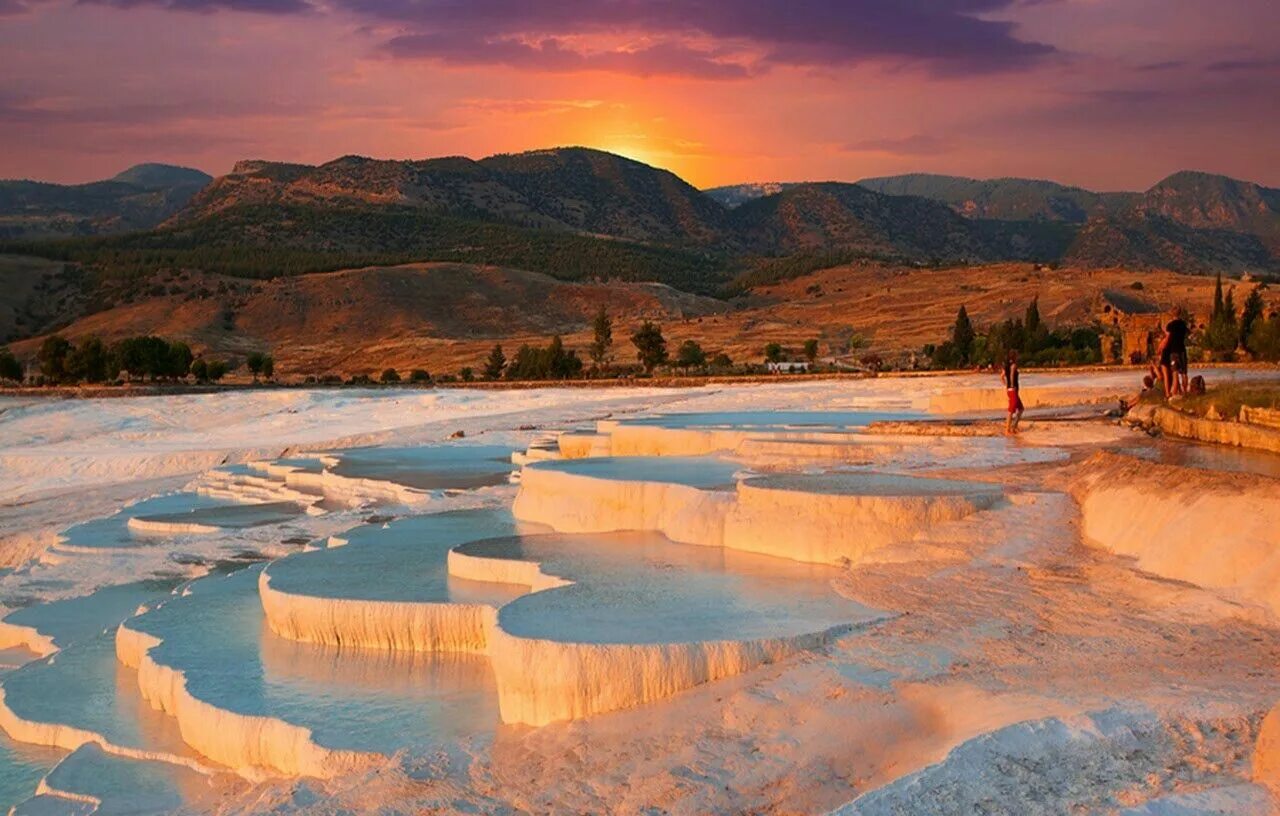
(360, 320)
(441, 317)
(900, 309)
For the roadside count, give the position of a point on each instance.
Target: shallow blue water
(124, 786)
(1208, 457)
(82, 685)
(431, 467)
(113, 531)
(231, 517)
(404, 560)
(644, 588)
(21, 769)
(85, 686)
(864, 483)
(74, 619)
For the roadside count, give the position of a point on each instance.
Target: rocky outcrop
(1202, 429)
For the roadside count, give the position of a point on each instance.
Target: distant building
(788, 367)
(1136, 325)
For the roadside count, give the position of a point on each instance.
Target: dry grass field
(441, 317)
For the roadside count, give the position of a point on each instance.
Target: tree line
(650, 352)
(61, 362)
(1035, 342)
(1228, 333)
(1250, 331)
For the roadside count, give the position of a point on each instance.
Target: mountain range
(1189, 222)
(578, 214)
(137, 199)
(1006, 199)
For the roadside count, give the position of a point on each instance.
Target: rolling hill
(362, 320)
(808, 217)
(581, 215)
(1204, 201)
(442, 317)
(1193, 222)
(139, 198)
(567, 189)
(1006, 199)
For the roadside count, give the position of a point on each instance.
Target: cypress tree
(962, 337)
(495, 363)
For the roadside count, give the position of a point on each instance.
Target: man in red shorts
(1009, 376)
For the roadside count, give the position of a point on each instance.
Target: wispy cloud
(1166, 65)
(665, 58)
(1244, 65)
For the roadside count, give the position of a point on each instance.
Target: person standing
(1009, 376)
(1172, 354)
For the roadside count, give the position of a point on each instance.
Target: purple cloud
(676, 37)
(664, 58)
(207, 6)
(1167, 65)
(1239, 66)
(945, 34)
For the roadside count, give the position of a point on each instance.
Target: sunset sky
(1107, 94)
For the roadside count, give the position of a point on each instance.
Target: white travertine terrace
(421, 626)
(161, 528)
(58, 702)
(249, 487)
(294, 483)
(538, 680)
(70, 738)
(541, 681)
(552, 658)
(502, 571)
(390, 592)
(579, 445)
(28, 637)
(583, 678)
(93, 780)
(569, 501)
(974, 400)
(627, 439)
(831, 434)
(250, 744)
(573, 648)
(1211, 528)
(829, 518)
(827, 439)
(207, 520)
(843, 518)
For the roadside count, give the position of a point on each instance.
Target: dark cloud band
(712, 39)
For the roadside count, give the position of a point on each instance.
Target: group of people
(1168, 369)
